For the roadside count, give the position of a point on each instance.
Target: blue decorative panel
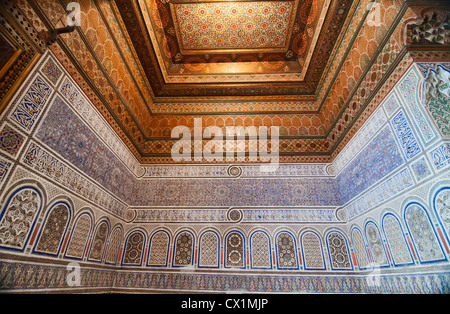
(391, 104)
(440, 156)
(4, 168)
(421, 169)
(64, 132)
(405, 135)
(374, 162)
(31, 105)
(408, 89)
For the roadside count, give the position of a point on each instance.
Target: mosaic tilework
(391, 104)
(441, 204)
(396, 241)
(5, 166)
(312, 251)
(260, 250)
(51, 71)
(10, 140)
(80, 104)
(436, 92)
(375, 162)
(407, 88)
(32, 103)
(133, 249)
(423, 233)
(184, 245)
(286, 251)
(360, 249)
(29, 276)
(405, 135)
(421, 169)
(376, 245)
(440, 156)
(79, 237)
(234, 250)
(18, 217)
(51, 167)
(358, 142)
(338, 251)
(209, 250)
(389, 188)
(53, 230)
(64, 132)
(98, 242)
(114, 246)
(232, 192)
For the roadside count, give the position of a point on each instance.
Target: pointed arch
(312, 250)
(376, 245)
(260, 250)
(338, 251)
(183, 252)
(19, 216)
(396, 240)
(134, 246)
(115, 240)
(423, 235)
(158, 252)
(286, 250)
(54, 229)
(80, 236)
(101, 233)
(209, 250)
(235, 250)
(361, 249)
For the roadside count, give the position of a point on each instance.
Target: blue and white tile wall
(393, 176)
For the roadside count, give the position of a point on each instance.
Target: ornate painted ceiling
(314, 69)
(237, 48)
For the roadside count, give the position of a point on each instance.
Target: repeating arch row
(235, 250)
(27, 222)
(405, 240)
(52, 229)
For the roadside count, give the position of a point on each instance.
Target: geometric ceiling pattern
(314, 69)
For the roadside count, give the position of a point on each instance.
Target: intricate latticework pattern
(260, 250)
(423, 234)
(209, 250)
(376, 245)
(312, 251)
(32, 103)
(286, 252)
(235, 254)
(183, 249)
(53, 231)
(133, 249)
(360, 249)
(19, 217)
(338, 250)
(99, 242)
(159, 247)
(437, 98)
(114, 246)
(396, 241)
(442, 207)
(80, 236)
